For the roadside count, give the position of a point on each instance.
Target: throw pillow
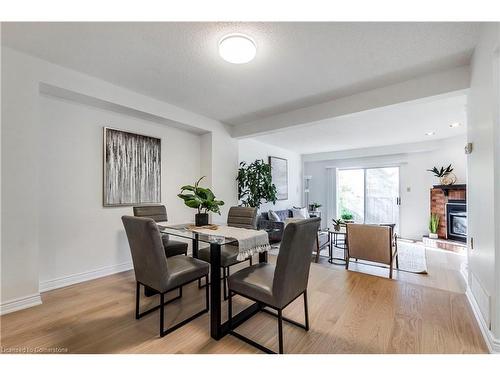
(273, 216)
(300, 213)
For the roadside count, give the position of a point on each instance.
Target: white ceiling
(397, 124)
(297, 64)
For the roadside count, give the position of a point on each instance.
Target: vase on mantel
(433, 236)
(448, 179)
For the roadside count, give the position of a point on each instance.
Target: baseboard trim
(20, 303)
(83, 276)
(492, 342)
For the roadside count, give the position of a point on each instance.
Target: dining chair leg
(230, 311)
(250, 260)
(390, 271)
(180, 292)
(280, 331)
(347, 264)
(207, 298)
(225, 271)
(162, 313)
(317, 248)
(306, 313)
(397, 261)
(137, 296)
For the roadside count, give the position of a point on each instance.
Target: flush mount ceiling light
(455, 125)
(430, 133)
(237, 48)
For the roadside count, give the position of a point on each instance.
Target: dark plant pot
(200, 220)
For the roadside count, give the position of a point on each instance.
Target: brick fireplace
(443, 196)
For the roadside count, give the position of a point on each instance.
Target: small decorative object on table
(200, 199)
(314, 206)
(445, 175)
(337, 224)
(433, 225)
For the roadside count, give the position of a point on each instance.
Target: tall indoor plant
(202, 199)
(255, 184)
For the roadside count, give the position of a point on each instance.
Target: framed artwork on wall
(132, 168)
(279, 173)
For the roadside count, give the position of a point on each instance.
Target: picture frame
(131, 168)
(279, 173)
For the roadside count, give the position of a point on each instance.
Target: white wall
(415, 204)
(483, 165)
(251, 150)
(76, 233)
(30, 157)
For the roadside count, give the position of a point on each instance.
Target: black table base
(218, 329)
(334, 242)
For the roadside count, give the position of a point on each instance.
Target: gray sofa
(264, 223)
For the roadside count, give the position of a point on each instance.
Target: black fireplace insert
(456, 223)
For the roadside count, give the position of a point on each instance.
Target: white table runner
(250, 241)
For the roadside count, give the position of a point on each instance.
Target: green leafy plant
(346, 215)
(337, 223)
(255, 184)
(315, 205)
(434, 223)
(200, 198)
(441, 172)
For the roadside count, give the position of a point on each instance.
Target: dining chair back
(294, 259)
(242, 217)
(155, 212)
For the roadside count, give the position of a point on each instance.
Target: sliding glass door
(370, 195)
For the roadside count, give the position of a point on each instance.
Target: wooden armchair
(374, 243)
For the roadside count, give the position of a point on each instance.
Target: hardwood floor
(350, 312)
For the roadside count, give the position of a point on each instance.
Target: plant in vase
(433, 225)
(445, 175)
(255, 184)
(202, 199)
(347, 216)
(314, 206)
(337, 223)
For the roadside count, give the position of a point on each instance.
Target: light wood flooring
(350, 312)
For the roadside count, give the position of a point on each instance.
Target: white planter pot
(433, 235)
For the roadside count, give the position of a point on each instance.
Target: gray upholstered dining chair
(154, 270)
(278, 286)
(159, 214)
(240, 217)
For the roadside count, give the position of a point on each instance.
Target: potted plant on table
(433, 225)
(337, 223)
(314, 206)
(202, 199)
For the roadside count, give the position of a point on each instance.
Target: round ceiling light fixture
(454, 125)
(237, 48)
(430, 133)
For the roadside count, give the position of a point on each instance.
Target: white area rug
(412, 257)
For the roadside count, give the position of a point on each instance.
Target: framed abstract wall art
(132, 168)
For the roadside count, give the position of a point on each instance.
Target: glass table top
(189, 231)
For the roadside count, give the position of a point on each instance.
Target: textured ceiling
(397, 124)
(297, 64)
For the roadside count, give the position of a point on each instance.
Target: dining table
(218, 329)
